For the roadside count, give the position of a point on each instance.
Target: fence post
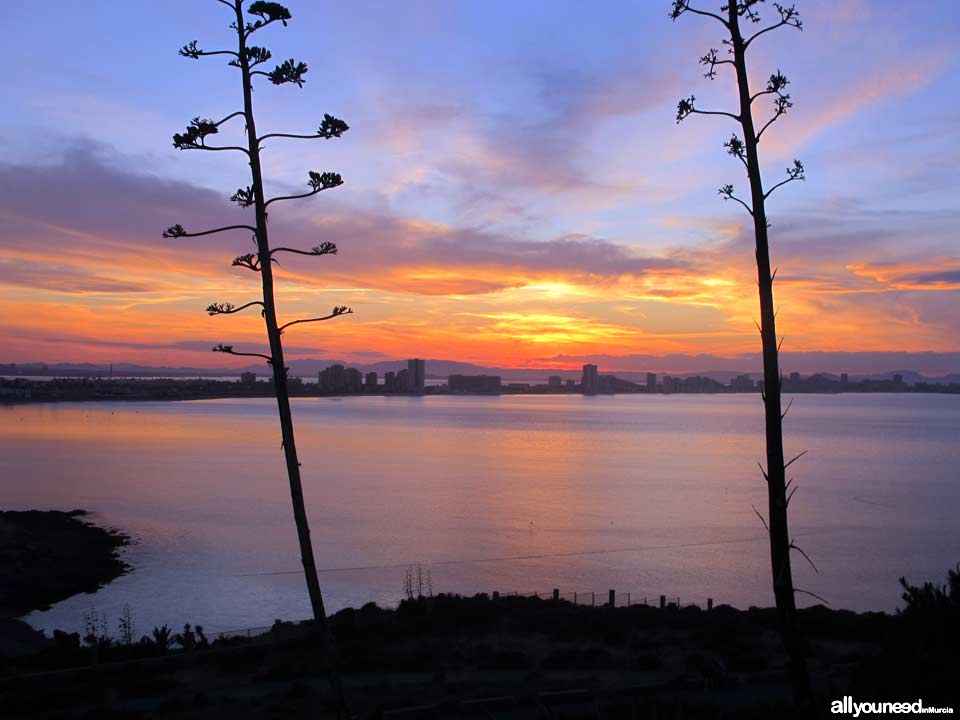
(613, 598)
(628, 599)
(663, 601)
(709, 603)
(556, 594)
(593, 599)
(574, 597)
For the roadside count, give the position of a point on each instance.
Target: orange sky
(505, 203)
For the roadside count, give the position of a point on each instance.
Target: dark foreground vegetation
(511, 657)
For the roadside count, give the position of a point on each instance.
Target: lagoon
(645, 494)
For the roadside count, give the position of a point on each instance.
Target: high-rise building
(554, 381)
(474, 384)
(591, 380)
(416, 375)
(370, 382)
(403, 380)
(390, 382)
(248, 378)
(353, 380)
(651, 382)
(333, 379)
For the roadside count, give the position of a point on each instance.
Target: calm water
(643, 494)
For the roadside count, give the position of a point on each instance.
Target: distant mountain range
(436, 369)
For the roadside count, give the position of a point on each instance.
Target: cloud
(507, 164)
(63, 278)
(909, 75)
(938, 274)
(204, 346)
(91, 226)
(83, 236)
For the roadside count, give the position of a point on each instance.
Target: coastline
(19, 391)
(48, 556)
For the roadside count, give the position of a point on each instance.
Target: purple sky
(516, 186)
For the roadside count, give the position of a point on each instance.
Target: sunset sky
(517, 191)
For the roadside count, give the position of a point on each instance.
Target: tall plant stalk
(247, 58)
(745, 150)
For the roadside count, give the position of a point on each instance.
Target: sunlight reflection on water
(518, 493)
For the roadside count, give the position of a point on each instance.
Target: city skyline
(513, 196)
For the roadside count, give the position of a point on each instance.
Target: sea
(643, 495)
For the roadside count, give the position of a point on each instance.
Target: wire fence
(588, 598)
(610, 598)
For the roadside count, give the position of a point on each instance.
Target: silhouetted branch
(229, 308)
(775, 85)
(228, 349)
(794, 546)
(324, 248)
(254, 56)
(745, 8)
(194, 137)
(782, 104)
(268, 12)
(761, 518)
(686, 108)
(289, 71)
(177, 231)
(229, 117)
(795, 488)
(794, 173)
(244, 197)
(727, 192)
(795, 458)
(217, 149)
(250, 261)
(811, 594)
(736, 148)
(712, 59)
(337, 311)
(318, 182)
(331, 127)
(763, 471)
(789, 404)
(716, 112)
(190, 50)
(788, 16)
(682, 6)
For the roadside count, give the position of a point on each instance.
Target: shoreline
(24, 391)
(49, 556)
